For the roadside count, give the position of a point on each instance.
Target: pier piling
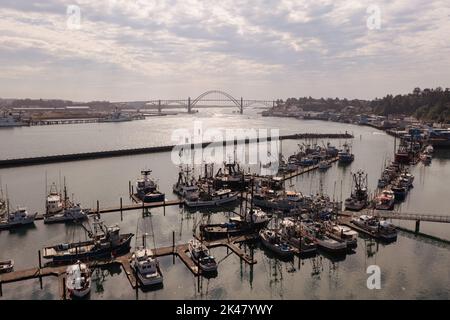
(64, 288)
(121, 209)
(1, 289)
(417, 230)
(39, 259)
(129, 188)
(98, 207)
(173, 246)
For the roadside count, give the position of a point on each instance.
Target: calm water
(412, 268)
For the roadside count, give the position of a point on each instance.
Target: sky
(124, 50)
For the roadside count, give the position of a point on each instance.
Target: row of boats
(315, 155)
(59, 208)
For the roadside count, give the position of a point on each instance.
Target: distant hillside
(427, 104)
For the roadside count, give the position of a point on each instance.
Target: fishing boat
(18, 218)
(68, 212)
(381, 229)
(399, 190)
(344, 233)
(147, 188)
(147, 267)
(284, 201)
(78, 280)
(324, 165)
(254, 220)
(358, 199)
(291, 231)
(273, 241)
(212, 198)
(201, 256)
(54, 202)
(230, 177)
(386, 200)
(325, 242)
(345, 156)
(6, 266)
(73, 212)
(186, 187)
(104, 242)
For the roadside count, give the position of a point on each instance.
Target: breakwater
(126, 152)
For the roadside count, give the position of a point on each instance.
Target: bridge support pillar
(189, 105)
(242, 106)
(417, 226)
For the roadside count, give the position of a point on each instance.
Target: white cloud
(264, 45)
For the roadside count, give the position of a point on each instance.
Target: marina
(304, 182)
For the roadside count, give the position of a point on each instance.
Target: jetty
(5, 163)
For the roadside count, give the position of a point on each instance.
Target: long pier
(304, 170)
(157, 149)
(179, 250)
(399, 216)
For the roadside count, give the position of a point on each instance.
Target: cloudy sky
(144, 49)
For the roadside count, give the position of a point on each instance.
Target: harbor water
(413, 267)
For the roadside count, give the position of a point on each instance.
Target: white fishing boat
(215, 198)
(6, 266)
(146, 267)
(73, 213)
(63, 210)
(78, 280)
(18, 218)
(54, 203)
(274, 242)
(201, 256)
(343, 233)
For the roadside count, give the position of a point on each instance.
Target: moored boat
(147, 188)
(6, 266)
(386, 200)
(200, 255)
(379, 228)
(212, 198)
(273, 241)
(18, 218)
(104, 244)
(78, 280)
(147, 267)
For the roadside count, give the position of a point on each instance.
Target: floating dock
(179, 250)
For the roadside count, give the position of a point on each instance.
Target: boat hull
(122, 248)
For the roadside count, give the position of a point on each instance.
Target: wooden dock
(304, 170)
(129, 207)
(399, 216)
(125, 262)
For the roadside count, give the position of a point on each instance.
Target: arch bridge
(210, 99)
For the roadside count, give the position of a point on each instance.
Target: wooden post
(121, 212)
(129, 188)
(173, 247)
(136, 283)
(39, 259)
(417, 226)
(1, 289)
(98, 207)
(143, 207)
(64, 288)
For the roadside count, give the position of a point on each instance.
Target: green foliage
(427, 104)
